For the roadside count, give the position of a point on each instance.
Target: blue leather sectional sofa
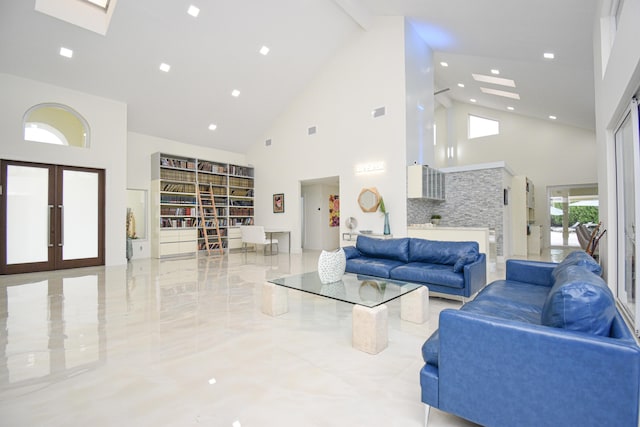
(545, 347)
(454, 268)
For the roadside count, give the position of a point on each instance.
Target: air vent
(312, 130)
(267, 143)
(380, 111)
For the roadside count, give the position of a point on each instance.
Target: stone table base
(370, 331)
(414, 306)
(275, 299)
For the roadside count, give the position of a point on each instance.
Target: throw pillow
(580, 258)
(462, 261)
(579, 301)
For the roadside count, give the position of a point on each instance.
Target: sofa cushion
(378, 267)
(395, 249)
(445, 253)
(579, 301)
(502, 309)
(580, 258)
(525, 296)
(421, 272)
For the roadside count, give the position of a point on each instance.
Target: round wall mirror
(369, 199)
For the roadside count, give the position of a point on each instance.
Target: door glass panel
(80, 215)
(27, 214)
(626, 215)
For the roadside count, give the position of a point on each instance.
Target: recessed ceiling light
(460, 84)
(497, 92)
(473, 100)
(494, 80)
(193, 11)
(67, 53)
(213, 126)
(510, 108)
(264, 50)
(552, 117)
(548, 55)
(495, 71)
(165, 67)
(235, 93)
(444, 64)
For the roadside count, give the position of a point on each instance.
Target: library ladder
(205, 221)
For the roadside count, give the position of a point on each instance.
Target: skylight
(503, 93)
(92, 15)
(100, 3)
(494, 80)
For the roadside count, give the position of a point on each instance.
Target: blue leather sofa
(454, 268)
(545, 347)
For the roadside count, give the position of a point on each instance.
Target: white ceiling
(217, 52)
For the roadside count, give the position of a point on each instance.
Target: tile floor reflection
(182, 342)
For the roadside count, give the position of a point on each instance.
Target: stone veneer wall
(472, 199)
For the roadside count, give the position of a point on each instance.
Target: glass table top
(353, 288)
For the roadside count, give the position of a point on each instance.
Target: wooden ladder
(209, 197)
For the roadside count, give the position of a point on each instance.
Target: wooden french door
(52, 217)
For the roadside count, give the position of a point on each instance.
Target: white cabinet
(424, 182)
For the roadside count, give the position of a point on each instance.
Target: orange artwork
(334, 210)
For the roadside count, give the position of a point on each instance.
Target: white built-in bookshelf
(178, 227)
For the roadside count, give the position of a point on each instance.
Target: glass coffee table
(368, 295)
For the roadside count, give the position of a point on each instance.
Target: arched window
(55, 124)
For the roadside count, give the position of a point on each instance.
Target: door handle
(61, 225)
(49, 244)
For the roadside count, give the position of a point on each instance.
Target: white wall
(614, 87)
(108, 122)
(365, 74)
(140, 147)
(548, 153)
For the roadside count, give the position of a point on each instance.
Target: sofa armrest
(494, 371)
(475, 275)
(534, 272)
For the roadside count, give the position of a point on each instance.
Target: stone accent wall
(472, 199)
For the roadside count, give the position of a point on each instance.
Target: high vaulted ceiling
(218, 51)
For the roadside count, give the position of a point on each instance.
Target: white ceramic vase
(331, 266)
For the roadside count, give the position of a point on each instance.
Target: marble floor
(183, 342)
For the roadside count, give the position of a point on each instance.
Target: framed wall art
(278, 203)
